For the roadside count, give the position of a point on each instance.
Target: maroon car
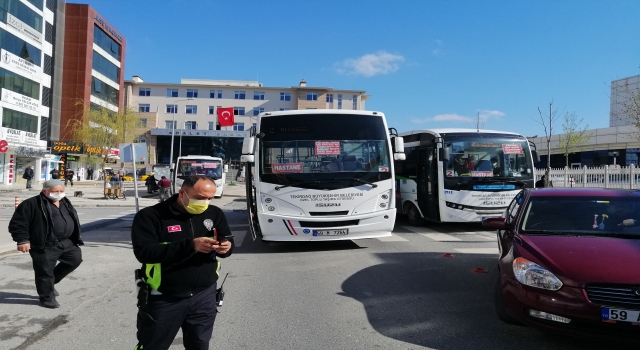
(570, 261)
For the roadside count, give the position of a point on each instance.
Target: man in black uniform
(47, 227)
(178, 242)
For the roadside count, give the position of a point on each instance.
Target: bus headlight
(274, 205)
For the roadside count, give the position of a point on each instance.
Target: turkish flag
(225, 116)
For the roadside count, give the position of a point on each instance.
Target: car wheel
(498, 303)
(413, 215)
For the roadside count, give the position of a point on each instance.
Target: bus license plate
(330, 232)
(620, 315)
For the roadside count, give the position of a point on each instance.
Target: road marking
(441, 237)
(392, 238)
(492, 250)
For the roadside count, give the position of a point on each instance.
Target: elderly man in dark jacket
(47, 227)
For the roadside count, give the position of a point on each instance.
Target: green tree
(104, 128)
(574, 135)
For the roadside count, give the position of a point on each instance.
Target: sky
(424, 63)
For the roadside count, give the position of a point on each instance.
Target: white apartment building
(28, 46)
(189, 110)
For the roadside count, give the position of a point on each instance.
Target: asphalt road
(394, 293)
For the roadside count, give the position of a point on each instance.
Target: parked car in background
(569, 261)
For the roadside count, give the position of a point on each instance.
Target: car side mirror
(497, 223)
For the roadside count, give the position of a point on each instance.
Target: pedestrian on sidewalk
(28, 175)
(150, 182)
(90, 174)
(180, 240)
(165, 188)
(47, 226)
(55, 174)
(68, 176)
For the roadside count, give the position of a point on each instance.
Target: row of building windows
(241, 95)
(37, 3)
(17, 83)
(104, 91)
(193, 109)
(193, 125)
(105, 42)
(21, 11)
(19, 121)
(105, 67)
(20, 48)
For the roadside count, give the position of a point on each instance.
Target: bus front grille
(316, 224)
(328, 213)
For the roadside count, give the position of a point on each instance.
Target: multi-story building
(94, 55)
(30, 66)
(189, 111)
(624, 99)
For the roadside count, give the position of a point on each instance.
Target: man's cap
(52, 183)
(163, 177)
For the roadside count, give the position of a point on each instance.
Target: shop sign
(92, 150)
(30, 152)
(72, 158)
(24, 28)
(25, 103)
(60, 147)
(4, 146)
(20, 66)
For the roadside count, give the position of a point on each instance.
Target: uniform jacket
(31, 222)
(162, 237)
(28, 174)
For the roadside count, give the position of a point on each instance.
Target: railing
(609, 176)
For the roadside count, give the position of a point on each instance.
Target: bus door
(428, 183)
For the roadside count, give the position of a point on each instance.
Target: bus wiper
(277, 188)
(364, 182)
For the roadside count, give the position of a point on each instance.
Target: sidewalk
(93, 194)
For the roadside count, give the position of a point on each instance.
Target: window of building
(172, 108)
(312, 96)
(17, 83)
(339, 101)
(191, 109)
(170, 124)
(143, 122)
(105, 67)
(23, 13)
(190, 125)
(239, 95)
(238, 110)
(212, 110)
(212, 125)
(355, 102)
(20, 48)
(257, 111)
(310, 108)
(258, 95)
(192, 93)
(215, 93)
(104, 41)
(254, 126)
(285, 96)
(144, 107)
(19, 121)
(285, 109)
(144, 92)
(172, 92)
(104, 91)
(329, 97)
(238, 126)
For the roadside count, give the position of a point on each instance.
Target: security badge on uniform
(208, 223)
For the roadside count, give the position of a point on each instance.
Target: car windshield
(584, 216)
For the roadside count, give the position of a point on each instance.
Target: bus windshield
(208, 167)
(323, 151)
(488, 155)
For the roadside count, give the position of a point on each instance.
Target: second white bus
(212, 167)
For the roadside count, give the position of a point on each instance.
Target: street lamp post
(173, 132)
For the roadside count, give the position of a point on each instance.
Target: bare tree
(547, 123)
(574, 135)
(104, 128)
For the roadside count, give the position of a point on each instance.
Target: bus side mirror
(399, 156)
(398, 144)
(226, 168)
(247, 145)
(443, 154)
(536, 156)
(246, 158)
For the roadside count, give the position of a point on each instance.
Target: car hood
(578, 261)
